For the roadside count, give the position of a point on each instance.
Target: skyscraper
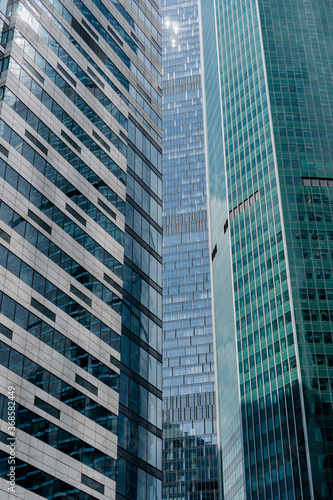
(81, 246)
(275, 62)
(190, 469)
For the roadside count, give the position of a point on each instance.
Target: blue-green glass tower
(275, 62)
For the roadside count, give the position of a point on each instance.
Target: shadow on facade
(275, 456)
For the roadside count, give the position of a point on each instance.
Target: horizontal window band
(133, 120)
(142, 275)
(81, 295)
(143, 93)
(56, 296)
(38, 328)
(54, 45)
(36, 142)
(120, 497)
(66, 74)
(142, 308)
(136, 39)
(65, 262)
(110, 65)
(134, 376)
(4, 151)
(57, 387)
(6, 331)
(133, 301)
(107, 209)
(61, 439)
(69, 122)
(195, 216)
(186, 227)
(58, 179)
(91, 73)
(244, 205)
(115, 24)
(30, 192)
(4, 236)
(91, 31)
(145, 215)
(61, 300)
(88, 39)
(147, 188)
(113, 283)
(44, 310)
(91, 483)
(76, 215)
(317, 181)
(144, 244)
(139, 463)
(33, 71)
(141, 421)
(116, 37)
(142, 156)
(25, 470)
(101, 141)
(62, 147)
(43, 405)
(87, 385)
(155, 5)
(156, 44)
(70, 140)
(39, 221)
(115, 362)
(142, 343)
(5, 438)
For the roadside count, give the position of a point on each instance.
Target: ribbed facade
(81, 248)
(275, 72)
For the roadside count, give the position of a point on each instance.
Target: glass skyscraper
(80, 249)
(190, 466)
(275, 65)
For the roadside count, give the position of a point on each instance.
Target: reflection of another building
(190, 470)
(190, 462)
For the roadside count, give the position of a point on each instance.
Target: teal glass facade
(275, 71)
(81, 248)
(190, 463)
(229, 415)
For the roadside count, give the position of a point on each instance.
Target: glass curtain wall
(190, 468)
